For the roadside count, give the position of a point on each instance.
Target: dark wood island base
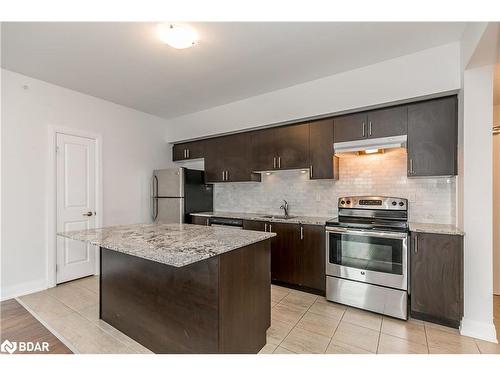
(217, 305)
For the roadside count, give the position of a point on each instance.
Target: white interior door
(76, 204)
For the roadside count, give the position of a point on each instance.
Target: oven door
(378, 258)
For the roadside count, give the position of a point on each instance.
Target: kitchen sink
(283, 217)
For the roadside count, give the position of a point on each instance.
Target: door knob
(88, 214)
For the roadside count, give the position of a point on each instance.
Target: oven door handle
(367, 233)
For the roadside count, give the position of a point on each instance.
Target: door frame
(53, 130)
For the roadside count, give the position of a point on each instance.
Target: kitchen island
(181, 288)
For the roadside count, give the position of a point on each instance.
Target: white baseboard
(18, 290)
(478, 330)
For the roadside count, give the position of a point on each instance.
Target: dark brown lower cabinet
(313, 257)
(260, 226)
(286, 253)
(297, 254)
(199, 220)
(436, 274)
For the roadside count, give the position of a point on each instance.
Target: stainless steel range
(367, 255)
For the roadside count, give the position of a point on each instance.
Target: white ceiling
(125, 63)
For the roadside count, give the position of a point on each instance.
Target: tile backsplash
(431, 200)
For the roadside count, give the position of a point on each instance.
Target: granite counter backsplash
(176, 245)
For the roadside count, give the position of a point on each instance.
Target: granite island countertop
(312, 220)
(175, 245)
(435, 228)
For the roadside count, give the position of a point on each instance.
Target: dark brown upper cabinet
(188, 150)
(263, 156)
(322, 162)
(285, 147)
(350, 127)
(432, 138)
(386, 122)
(227, 159)
(437, 278)
(292, 146)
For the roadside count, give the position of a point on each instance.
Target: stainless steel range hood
(370, 144)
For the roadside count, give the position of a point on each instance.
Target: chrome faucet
(284, 207)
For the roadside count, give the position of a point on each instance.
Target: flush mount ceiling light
(177, 36)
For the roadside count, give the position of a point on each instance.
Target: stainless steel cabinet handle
(415, 249)
(364, 129)
(270, 228)
(279, 161)
(411, 166)
(208, 223)
(227, 175)
(265, 227)
(301, 232)
(310, 171)
(187, 153)
(223, 176)
(274, 162)
(370, 128)
(88, 213)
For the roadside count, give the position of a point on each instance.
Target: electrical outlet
(318, 197)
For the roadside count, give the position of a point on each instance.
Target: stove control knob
(401, 204)
(342, 202)
(394, 203)
(348, 202)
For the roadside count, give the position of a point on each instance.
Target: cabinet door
(350, 127)
(214, 160)
(260, 226)
(285, 253)
(437, 278)
(313, 257)
(321, 158)
(262, 151)
(388, 122)
(179, 152)
(432, 138)
(292, 146)
(237, 157)
(188, 150)
(199, 220)
(195, 149)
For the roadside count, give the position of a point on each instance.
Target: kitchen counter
(436, 228)
(182, 288)
(175, 245)
(311, 220)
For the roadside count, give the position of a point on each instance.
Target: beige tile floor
(304, 323)
(300, 323)
(71, 311)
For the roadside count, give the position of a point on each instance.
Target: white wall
(133, 145)
(478, 204)
(424, 73)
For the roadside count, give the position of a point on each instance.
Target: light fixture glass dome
(177, 36)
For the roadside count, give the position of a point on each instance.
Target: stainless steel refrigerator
(177, 192)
